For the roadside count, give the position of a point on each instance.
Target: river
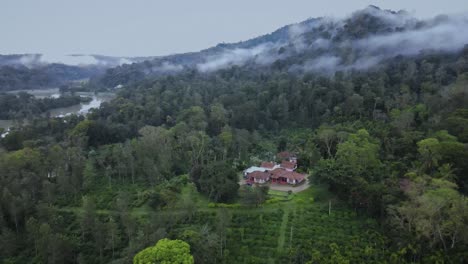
(79, 109)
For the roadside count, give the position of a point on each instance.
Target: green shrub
(274, 200)
(223, 205)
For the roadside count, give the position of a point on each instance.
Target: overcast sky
(156, 27)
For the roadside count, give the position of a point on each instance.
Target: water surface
(79, 109)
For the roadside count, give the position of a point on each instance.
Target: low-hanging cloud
(299, 40)
(35, 60)
(29, 60)
(237, 57)
(395, 19)
(449, 36)
(124, 61)
(323, 63)
(262, 54)
(321, 45)
(73, 60)
(167, 67)
(446, 34)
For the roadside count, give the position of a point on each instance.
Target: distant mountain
(36, 71)
(362, 41)
(82, 60)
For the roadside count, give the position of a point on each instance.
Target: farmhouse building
(259, 177)
(282, 176)
(283, 173)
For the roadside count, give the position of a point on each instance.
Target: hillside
(38, 71)
(372, 110)
(360, 42)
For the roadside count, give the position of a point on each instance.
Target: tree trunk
(441, 238)
(329, 150)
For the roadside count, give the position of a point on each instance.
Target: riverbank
(81, 107)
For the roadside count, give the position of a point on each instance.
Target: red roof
(269, 165)
(288, 165)
(277, 173)
(260, 175)
(297, 176)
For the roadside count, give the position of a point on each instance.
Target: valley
(331, 140)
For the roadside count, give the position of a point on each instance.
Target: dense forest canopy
(24, 105)
(20, 77)
(40, 71)
(386, 143)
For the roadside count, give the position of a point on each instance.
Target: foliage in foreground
(165, 252)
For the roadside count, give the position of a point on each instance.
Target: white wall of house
(261, 180)
(291, 181)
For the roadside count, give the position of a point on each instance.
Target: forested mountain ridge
(36, 71)
(384, 146)
(362, 41)
(19, 77)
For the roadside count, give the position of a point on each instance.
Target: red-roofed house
(295, 178)
(279, 176)
(283, 173)
(289, 166)
(282, 176)
(269, 165)
(259, 177)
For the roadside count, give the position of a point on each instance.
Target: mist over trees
(153, 175)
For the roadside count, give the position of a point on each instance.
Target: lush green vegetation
(386, 150)
(165, 251)
(19, 77)
(24, 105)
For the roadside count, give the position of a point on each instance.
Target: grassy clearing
(277, 193)
(278, 196)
